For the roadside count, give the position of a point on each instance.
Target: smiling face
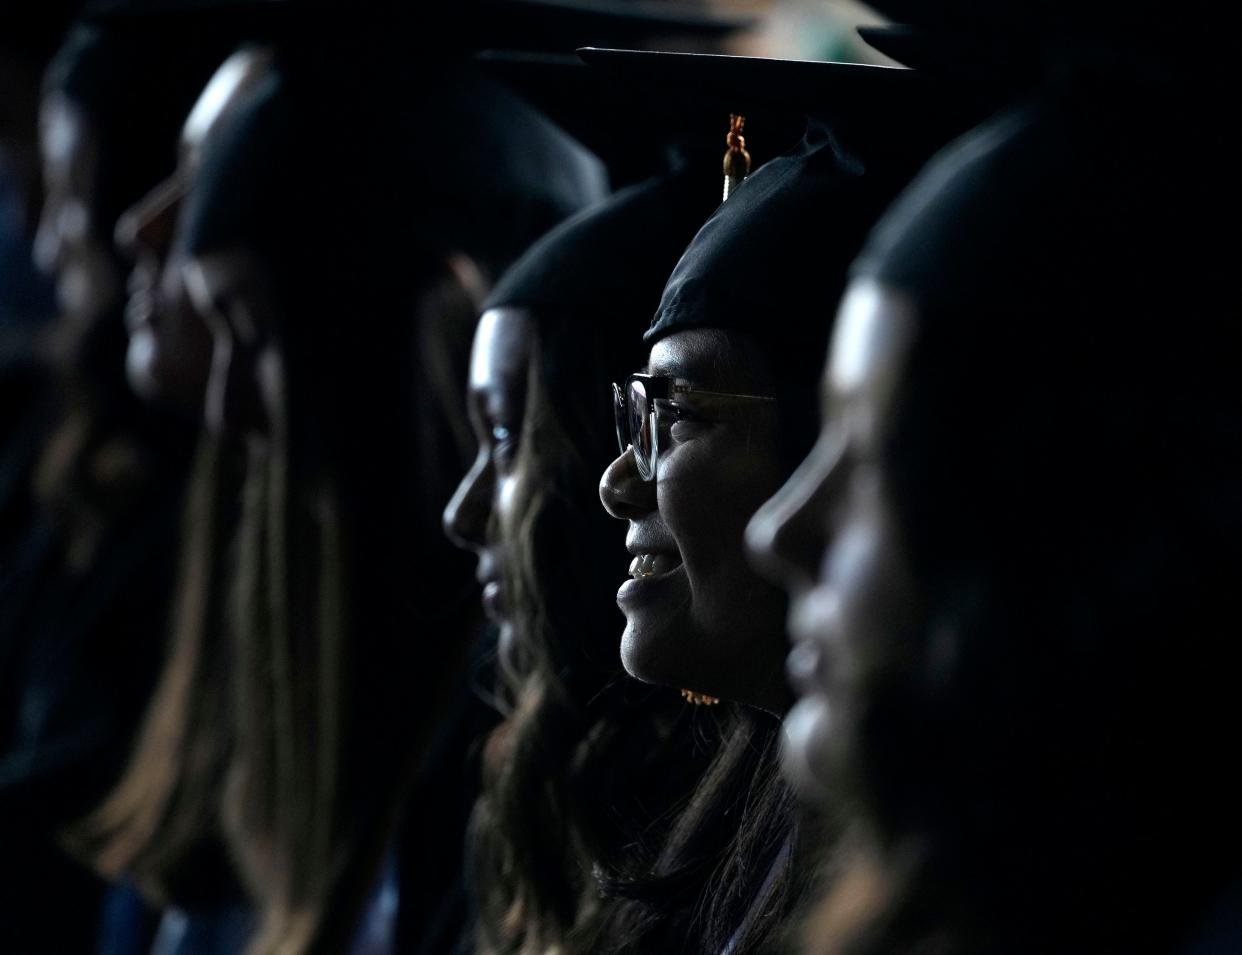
(831, 538)
(697, 615)
(499, 367)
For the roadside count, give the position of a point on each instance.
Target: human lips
(813, 622)
(493, 597)
(140, 309)
(494, 601)
(813, 616)
(805, 667)
(650, 565)
(654, 563)
(809, 666)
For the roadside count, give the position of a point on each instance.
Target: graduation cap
(613, 258)
(631, 106)
(634, 130)
(135, 73)
(510, 167)
(492, 173)
(767, 101)
(773, 259)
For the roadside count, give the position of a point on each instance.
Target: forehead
(709, 357)
(874, 330)
(63, 129)
(239, 73)
(502, 347)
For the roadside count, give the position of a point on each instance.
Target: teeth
(662, 563)
(648, 565)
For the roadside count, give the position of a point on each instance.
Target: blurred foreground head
(1011, 549)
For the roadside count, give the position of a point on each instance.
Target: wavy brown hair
(582, 764)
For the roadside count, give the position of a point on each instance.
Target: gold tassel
(699, 699)
(736, 158)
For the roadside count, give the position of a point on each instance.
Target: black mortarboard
(691, 90)
(781, 245)
(613, 259)
(491, 175)
(636, 108)
(753, 84)
(635, 138)
(135, 80)
(503, 174)
(772, 261)
(1053, 190)
(593, 281)
(1057, 262)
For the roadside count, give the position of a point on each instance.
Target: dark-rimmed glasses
(637, 404)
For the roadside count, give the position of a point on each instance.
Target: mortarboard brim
(750, 84)
(630, 126)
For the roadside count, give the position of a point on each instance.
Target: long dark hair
(569, 775)
(727, 873)
(581, 766)
(305, 623)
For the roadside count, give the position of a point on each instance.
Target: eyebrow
(690, 370)
(697, 368)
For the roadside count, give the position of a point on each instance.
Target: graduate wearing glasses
(718, 418)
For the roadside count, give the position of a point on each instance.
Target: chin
(647, 653)
(140, 364)
(804, 755)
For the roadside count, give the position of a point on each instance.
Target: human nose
(787, 536)
(466, 514)
(624, 494)
(149, 223)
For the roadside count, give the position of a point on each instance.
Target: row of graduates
(1001, 519)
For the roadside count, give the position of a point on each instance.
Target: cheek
(708, 491)
(507, 499)
(511, 500)
(183, 335)
(269, 375)
(866, 569)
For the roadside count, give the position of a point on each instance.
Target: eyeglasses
(637, 407)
